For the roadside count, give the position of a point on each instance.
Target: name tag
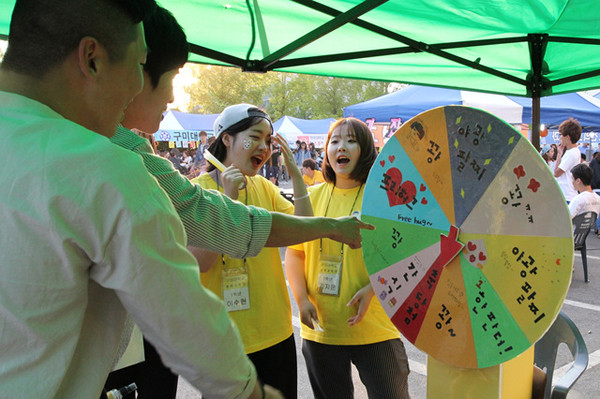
(330, 275)
(235, 289)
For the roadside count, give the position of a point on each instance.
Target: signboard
(181, 138)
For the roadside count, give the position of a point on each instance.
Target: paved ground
(582, 306)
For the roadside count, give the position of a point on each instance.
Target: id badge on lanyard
(236, 294)
(330, 275)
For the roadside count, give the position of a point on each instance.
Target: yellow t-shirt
(332, 310)
(268, 321)
(316, 179)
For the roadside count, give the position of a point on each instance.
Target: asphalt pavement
(582, 305)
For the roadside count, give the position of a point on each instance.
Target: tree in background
(218, 87)
(301, 96)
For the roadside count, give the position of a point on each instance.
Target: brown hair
(309, 163)
(368, 153)
(571, 128)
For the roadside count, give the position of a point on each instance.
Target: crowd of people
(191, 162)
(576, 177)
(306, 157)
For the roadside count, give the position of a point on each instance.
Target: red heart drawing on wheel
(472, 258)
(391, 158)
(422, 188)
(519, 171)
(471, 246)
(482, 257)
(424, 201)
(401, 193)
(382, 163)
(533, 185)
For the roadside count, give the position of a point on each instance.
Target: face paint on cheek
(247, 143)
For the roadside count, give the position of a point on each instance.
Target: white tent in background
(308, 130)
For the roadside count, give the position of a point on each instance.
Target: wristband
(299, 198)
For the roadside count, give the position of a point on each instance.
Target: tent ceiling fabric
(527, 47)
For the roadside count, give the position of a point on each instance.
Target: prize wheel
(473, 251)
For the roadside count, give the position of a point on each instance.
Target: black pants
(153, 379)
(272, 171)
(276, 366)
(382, 367)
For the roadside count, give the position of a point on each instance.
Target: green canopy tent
(530, 48)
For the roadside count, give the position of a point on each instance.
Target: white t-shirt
(80, 248)
(570, 158)
(586, 201)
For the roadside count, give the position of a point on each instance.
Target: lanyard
(245, 202)
(350, 214)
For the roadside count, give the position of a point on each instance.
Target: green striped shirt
(212, 221)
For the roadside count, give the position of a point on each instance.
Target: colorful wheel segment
(473, 251)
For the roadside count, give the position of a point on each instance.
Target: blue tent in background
(309, 130)
(409, 102)
(413, 100)
(556, 109)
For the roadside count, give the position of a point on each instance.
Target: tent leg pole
(535, 122)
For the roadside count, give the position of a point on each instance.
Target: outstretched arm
(288, 230)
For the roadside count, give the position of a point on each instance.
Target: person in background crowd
(199, 160)
(568, 156)
(583, 158)
(313, 151)
(319, 160)
(302, 154)
(341, 325)
(194, 172)
(211, 220)
(283, 171)
(186, 161)
(272, 165)
(547, 152)
(259, 304)
(79, 254)
(174, 158)
(297, 148)
(586, 200)
(310, 175)
(595, 166)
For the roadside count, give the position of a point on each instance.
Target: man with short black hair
(587, 200)
(81, 247)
